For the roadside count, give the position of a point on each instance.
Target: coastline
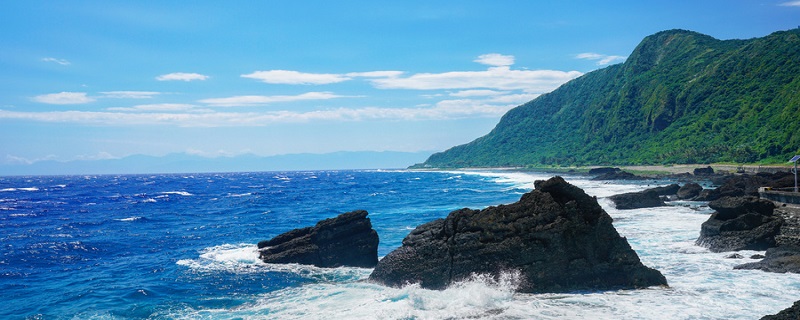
(643, 170)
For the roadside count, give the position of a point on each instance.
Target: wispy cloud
(129, 94)
(495, 59)
(256, 100)
(160, 107)
(295, 77)
(497, 78)
(601, 59)
(181, 76)
(477, 93)
(62, 62)
(64, 98)
(790, 4)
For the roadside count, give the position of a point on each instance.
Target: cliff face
(681, 97)
(556, 237)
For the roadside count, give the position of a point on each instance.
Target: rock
(667, 190)
(556, 237)
(791, 313)
(635, 200)
(734, 256)
(346, 240)
(779, 259)
(689, 191)
(732, 207)
(707, 171)
(736, 186)
(604, 170)
(757, 256)
(740, 224)
(618, 175)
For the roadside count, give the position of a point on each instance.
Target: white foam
(180, 193)
(19, 189)
(129, 219)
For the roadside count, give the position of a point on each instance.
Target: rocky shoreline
(548, 239)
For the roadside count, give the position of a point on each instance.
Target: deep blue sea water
(182, 246)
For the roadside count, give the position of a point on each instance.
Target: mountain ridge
(680, 97)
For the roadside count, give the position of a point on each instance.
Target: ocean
(183, 246)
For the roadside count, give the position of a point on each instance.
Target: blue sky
(108, 79)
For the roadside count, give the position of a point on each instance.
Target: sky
(86, 80)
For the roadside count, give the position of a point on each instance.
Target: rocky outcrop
(779, 259)
(636, 200)
(603, 170)
(557, 238)
(667, 190)
(746, 185)
(707, 171)
(790, 313)
(740, 223)
(618, 175)
(689, 191)
(346, 240)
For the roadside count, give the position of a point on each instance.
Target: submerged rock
(346, 240)
(636, 200)
(740, 223)
(557, 238)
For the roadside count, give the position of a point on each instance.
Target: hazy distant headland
(186, 163)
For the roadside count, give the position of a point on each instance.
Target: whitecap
(180, 193)
(129, 219)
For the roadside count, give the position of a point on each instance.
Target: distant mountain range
(681, 97)
(186, 163)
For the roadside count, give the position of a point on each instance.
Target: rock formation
(346, 240)
(618, 175)
(740, 223)
(689, 191)
(791, 313)
(556, 237)
(634, 200)
(779, 259)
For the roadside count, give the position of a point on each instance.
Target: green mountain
(681, 97)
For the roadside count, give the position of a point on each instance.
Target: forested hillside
(681, 97)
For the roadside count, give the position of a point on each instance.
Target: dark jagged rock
(603, 170)
(745, 185)
(635, 200)
(667, 190)
(689, 191)
(707, 171)
(745, 223)
(618, 175)
(346, 240)
(557, 237)
(790, 313)
(779, 259)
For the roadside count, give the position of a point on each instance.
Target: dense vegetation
(681, 97)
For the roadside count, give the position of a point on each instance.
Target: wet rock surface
(346, 240)
(556, 238)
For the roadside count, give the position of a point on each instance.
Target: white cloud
(255, 100)
(791, 4)
(160, 107)
(376, 74)
(495, 59)
(294, 77)
(477, 93)
(129, 94)
(497, 78)
(102, 155)
(181, 76)
(64, 98)
(602, 59)
(62, 62)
